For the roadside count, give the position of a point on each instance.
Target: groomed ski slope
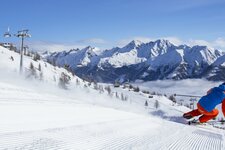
(54, 122)
(39, 115)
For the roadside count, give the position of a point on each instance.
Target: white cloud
(124, 42)
(93, 41)
(187, 86)
(52, 46)
(174, 40)
(193, 42)
(218, 43)
(143, 39)
(56, 46)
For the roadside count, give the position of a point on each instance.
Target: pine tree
(41, 75)
(39, 67)
(64, 80)
(12, 58)
(172, 98)
(122, 97)
(101, 90)
(131, 86)
(36, 57)
(146, 103)
(77, 82)
(108, 89)
(126, 98)
(31, 66)
(117, 96)
(156, 104)
(136, 89)
(145, 92)
(96, 86)
(153, 93)
(32, 71)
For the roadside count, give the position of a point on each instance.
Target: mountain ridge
(137, 60)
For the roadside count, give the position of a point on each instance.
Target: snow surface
(37, 114)
(220, 61)
(190, 87)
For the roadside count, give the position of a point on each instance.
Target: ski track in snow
(198, 139)
(16, 95)
(114, 135)
(128, 132)
(138, 132)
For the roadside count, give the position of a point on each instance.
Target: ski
(196, 122)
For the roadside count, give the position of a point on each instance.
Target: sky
(64, 24)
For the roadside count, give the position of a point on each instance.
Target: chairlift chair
(7, 34)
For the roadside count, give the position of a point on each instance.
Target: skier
(206, 105)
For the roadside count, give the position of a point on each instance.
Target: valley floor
(30, 120)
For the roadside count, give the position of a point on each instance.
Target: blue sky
(63, 24)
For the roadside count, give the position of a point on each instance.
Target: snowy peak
(133, 44)
(202, 54)
(156, 48)
(158, 59)
(220, 61)
(89, 51)
(163, 43)
(74, 57)
(162, 46)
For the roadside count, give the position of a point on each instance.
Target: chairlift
(7, 34)
(28, 35)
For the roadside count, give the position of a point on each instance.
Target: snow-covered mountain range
(154, 60)
(36, 114)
